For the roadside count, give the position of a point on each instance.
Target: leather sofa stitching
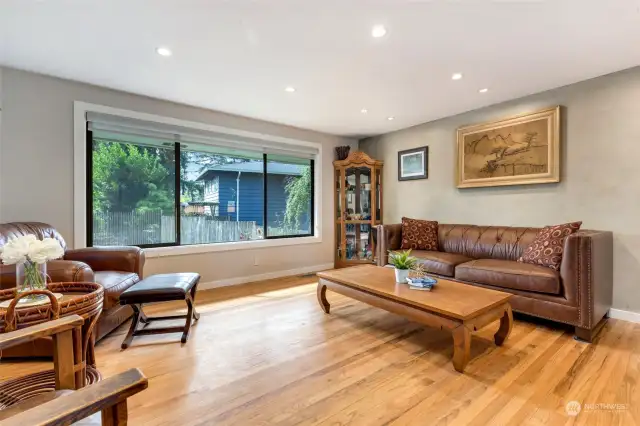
(589, 288)
(578, 282)
(480, 234)
(464, 232)
(514, 248)
(531, 273)
(499, 239)
(538, 315)
(549, 318)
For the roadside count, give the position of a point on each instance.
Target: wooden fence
(152, 227)
(203, 230)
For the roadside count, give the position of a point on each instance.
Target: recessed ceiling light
(364, 110)
(390, 118)
(485, 90)
(163, 51)
(456, 76)
(378, 31)
(289, 89)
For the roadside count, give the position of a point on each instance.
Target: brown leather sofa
(115, 268)
(580, 294)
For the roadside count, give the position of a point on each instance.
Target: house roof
(253, 166)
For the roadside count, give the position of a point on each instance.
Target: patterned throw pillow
(419, 234)
(548, 246)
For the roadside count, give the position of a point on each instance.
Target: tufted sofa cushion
(438, 262)
(485, 242)
(509, 274)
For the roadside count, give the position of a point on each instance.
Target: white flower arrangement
(28, 248)
(30, 253)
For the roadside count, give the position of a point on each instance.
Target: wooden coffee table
(450, 305)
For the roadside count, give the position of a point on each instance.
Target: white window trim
(80, 110)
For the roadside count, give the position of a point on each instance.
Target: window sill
(238, 245)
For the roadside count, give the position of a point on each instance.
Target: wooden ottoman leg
(137, 310)
(196, 316)
(189, 316)
(143, 318)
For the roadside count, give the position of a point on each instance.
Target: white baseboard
(267, 276)
(624, 315)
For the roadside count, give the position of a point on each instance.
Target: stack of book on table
(422, 283)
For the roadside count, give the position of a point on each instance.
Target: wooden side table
(81, 298)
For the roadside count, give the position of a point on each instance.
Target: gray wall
(600, 172)
(36, 168)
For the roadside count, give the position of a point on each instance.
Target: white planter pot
(402, 275)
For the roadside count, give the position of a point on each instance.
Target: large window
(289, 191)
(154, 192)
(132, 192)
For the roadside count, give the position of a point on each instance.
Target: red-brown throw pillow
(419, 234)
(548, 246)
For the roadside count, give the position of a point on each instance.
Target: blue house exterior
(237, 188)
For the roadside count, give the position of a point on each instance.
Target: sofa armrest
(128, 259)
(7, 276)
(61, 271)
(587, 274)
(389, 238)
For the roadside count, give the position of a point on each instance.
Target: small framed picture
(413, 163)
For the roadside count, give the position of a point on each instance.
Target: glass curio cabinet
(358, 204)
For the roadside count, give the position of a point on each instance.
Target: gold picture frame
(520, 150)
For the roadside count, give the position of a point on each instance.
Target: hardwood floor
(265, 353)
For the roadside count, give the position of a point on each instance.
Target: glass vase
(31, 276)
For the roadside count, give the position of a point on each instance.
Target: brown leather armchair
(115, 268)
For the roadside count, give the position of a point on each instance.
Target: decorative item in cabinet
(358, 201)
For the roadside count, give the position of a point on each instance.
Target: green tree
(127, 177)
(299, 195)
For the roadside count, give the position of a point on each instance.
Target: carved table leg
(321, 292)
(461, 347)
(506, 323)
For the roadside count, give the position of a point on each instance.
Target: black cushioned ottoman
(161, 288)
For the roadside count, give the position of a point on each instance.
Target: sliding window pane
(133, 190)
(289, 196)
(221, 195)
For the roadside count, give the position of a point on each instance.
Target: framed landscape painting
(516, 151)
(413, 163)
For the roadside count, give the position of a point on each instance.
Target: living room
(259, 172)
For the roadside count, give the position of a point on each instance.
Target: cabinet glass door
(338, 197)
(359, 241)
(358, 193)
(378, 196)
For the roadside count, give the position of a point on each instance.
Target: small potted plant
(402, 261)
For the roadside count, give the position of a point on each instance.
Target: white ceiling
(238, 56)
